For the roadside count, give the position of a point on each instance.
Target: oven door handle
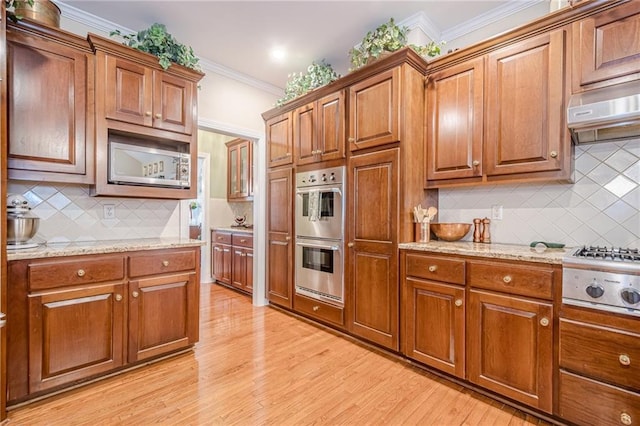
(320, 246)
(306, 191)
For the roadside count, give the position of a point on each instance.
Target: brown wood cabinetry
(606, 48)
(598, 356)
(221, 256)
(136, 98)
(51, 83)
(372, 232)
(374, 110)
(239, 170)
(3, 214)
(280, 237)
(80, 317)
(455, 119)
(433, 312)
(279, 136)
(242, 264)
(316, 309)
(318, 130)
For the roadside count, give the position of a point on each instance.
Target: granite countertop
(233, 229)
(100, 247)
(493, 250)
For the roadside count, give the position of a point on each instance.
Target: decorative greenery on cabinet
(317, 75)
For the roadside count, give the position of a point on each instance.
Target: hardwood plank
(258, 365)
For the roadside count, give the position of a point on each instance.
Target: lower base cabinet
(79, 317)
(232, 260)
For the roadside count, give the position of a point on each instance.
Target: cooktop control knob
(595, 290)
(332, 177)
(630, 295)
(324, 178)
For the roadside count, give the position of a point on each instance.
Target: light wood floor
(262, 366)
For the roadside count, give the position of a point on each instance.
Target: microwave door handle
(320, 246)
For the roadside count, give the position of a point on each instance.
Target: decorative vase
(42, 11)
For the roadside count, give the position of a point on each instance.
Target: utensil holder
(422, 232)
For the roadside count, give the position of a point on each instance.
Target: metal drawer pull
(553, 154)
(458, 302)
(3, 319)
(625, 419)
(315, 308)
(507, 279)
(624, 359)
(81, 272)
(544, 321)
(148, 113)
(433, 268)
(243, 240)
(158, 115)
(135, 294)
(118, 297)
(475, 163)
(165, 263)
(352, 139)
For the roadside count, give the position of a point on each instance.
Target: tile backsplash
(68, 213)
(602, 207)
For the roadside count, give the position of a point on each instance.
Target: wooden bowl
(450, 231)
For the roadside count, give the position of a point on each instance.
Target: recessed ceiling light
(278, 53)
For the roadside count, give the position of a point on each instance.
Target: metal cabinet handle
(553, 154)
(165, 263)
(243, 240)
(458, 302)
(624, 359)
(475, 163)
(315, 308)
(625, 419)
(506, 279)
(3, 319)
(288, 238)
(433, 268)
(158, 116)
(220, 238)
(352, 139)
(80, 272)
(288, 154)
(544, 321)
(148, 113)
(350, 245)
(135, 294)
(118, 298)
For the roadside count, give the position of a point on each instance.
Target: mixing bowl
(21, 229)
(450, 231)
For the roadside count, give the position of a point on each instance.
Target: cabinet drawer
(435, 268)
(320, 310)
(602, 353)
(242, 240)
(59, 273)
(587, 402)
(221, 237)
(513, 279)
(161, 263)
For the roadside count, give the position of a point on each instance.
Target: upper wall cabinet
(318, 130)
(606, 48)
(239, 170)
(140, 95)
(50, 104)
(135, 98)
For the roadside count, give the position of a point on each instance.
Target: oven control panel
(601, 290)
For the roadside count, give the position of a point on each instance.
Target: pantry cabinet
(279, 134)
(79, 317)
(280, 235)
(319, 130)
(239, 170)
(50, 82)
(606, 48)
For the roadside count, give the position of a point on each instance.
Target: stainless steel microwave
(147, 166)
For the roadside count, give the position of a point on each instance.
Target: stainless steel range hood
(605, 114)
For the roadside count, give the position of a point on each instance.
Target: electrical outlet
(109, 211)
(496, 212)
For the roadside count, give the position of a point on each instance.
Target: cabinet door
(63, 349)
(239, 173)
(434, 325)
(305, 134)
(525, 130)
(455, 121)
(163, 315)
(248, 283)
(48, 121)
(330, 126)
(128, 92)
(372, 240)
(374, 110)
(606, 47)
(239, 268)
(173, 103)
(279, 237)
(280, 140)
(511, 347)
(222, 263)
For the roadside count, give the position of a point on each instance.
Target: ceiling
(238, 35)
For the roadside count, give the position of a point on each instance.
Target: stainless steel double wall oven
(319, 224)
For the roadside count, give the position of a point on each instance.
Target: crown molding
(487, 18)
(422, 22)
(104, 26)
(225, 128)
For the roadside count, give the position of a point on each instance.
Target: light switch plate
(496, 212)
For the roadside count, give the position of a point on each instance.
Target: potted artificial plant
(317, 75)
